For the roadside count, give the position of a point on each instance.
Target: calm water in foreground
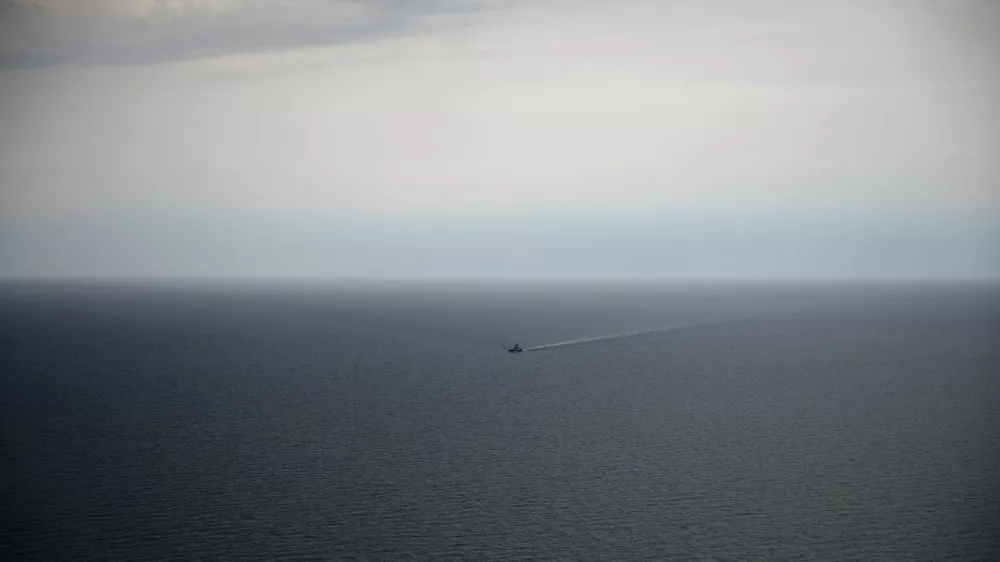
(387, 422)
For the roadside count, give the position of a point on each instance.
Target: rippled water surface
(388, 422)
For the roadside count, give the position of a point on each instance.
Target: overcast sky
(465, 138)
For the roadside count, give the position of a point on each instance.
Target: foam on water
(621, 335)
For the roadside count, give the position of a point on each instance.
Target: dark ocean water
(386, 422)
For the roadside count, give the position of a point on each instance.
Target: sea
(387, 421)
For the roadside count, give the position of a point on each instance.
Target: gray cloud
(590, 138)
(47, 32)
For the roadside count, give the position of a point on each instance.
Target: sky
(673, 139)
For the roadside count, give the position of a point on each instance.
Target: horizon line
(351, 280)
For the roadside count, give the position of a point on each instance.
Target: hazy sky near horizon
(465, 138)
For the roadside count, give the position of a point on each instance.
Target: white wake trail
(621, 335)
